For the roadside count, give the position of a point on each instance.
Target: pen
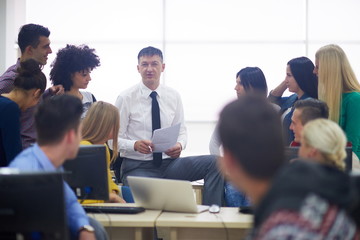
(150, 148)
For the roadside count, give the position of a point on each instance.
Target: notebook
(164, 194)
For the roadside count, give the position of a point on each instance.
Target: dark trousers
(187, 168)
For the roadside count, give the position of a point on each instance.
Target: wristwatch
(87, 228)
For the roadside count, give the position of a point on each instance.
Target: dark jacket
(299, 179)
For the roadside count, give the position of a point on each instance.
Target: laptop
(164, 194)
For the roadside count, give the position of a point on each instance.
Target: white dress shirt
(134, 105)
(215, 142)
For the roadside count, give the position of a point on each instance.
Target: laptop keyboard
(112, 209)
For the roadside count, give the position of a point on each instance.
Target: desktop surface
(142, 219)
(228, 224)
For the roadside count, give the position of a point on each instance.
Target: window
(205, 43)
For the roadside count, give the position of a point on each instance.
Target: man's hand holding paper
(175, 151)
(165, 140)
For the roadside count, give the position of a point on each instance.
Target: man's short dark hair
(250, 129)
(30, 34)
(150, 51)
(55, 116)
(311, 109)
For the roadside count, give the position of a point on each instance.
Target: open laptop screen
(164, 194)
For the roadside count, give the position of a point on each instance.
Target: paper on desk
(165, 138)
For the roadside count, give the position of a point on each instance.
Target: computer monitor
(292, 152)
(32, 206)
(87, 173)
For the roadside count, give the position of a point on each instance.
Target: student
(340, 89)
(29, 84)
(305, 111)
(300, 80)
(249, 80)
(100, 125)
(58, 127)
(136, 129)
(34, 44)
(301, 200)
(323, 141)
(71, 68)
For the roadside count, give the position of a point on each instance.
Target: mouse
(214, 208)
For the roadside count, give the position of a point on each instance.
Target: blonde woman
(324, 141)
(340, 89)
(102, 123)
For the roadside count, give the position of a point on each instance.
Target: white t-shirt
(87, 100)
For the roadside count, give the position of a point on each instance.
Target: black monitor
(32, 206)
(292, 152)
(87, 173)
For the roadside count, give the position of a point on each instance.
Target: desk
(138, 226)
(228, 224)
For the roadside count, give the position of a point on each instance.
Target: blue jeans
(233, 197)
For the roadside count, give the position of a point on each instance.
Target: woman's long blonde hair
(101, 119)
(335, 77)
(328, 138)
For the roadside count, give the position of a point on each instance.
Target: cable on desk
(155, 229)
(223, 223)
(110, 226)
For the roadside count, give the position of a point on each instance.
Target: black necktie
(155, 116)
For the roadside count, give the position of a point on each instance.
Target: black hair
(250, 129)
(55, 116)
(302, 69)
(311, 109)
(150, 51)
(253, 80)
(70, 60)
(29, 76)
(29, 35)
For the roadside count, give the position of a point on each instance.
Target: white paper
(165, 138)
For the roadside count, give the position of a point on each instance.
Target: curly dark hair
(72, 59)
